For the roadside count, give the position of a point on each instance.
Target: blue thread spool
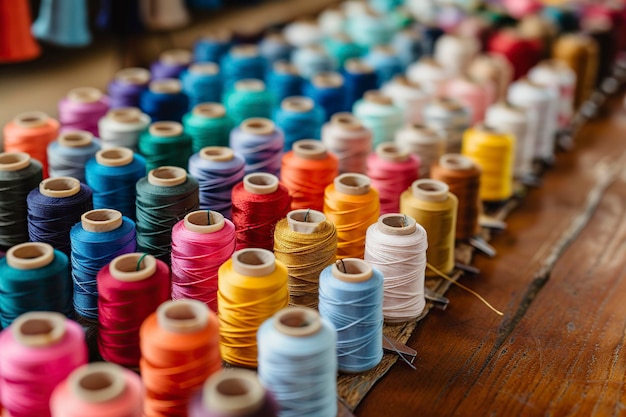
(284, 80)
(384, 6)
(260, 143)
(311, 60)
(380, 115)
(68, 155)
(171, 64)
(274, 47)
(165, 143)
(386, 63)
(299, 118)
(164, 100)
(242, 62)
(351, 298)
(63, 22)
(202, 83)
(112, 176)
(212, 46)
(359, 78)
(408, 46)
(127, 86)
(341, 48)
(328, 91)
(34, 277)
(249, 98)
(208, 125)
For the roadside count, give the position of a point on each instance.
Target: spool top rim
(133, 267)
(311, 149)
(297, 321)
(183, 316)
(75, 139)
(352, 270)
(430, 190)
(39, 328)
(396, 224)
(352, 183)
(167, 176)
(204, 221)
(101, 220)
(254, 262)
(59, 187)
(233, 392)
(305, 221)
(114, 157)
(97, 382)
(14, 161)
(30, 255)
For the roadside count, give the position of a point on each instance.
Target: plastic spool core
(245, 50)
(391, 152)
(425, 134)
(97, 382)
(305, 221)
(396, 224)
(257, 126)
(204, 221)
(346, 121)
(134, 75)
(298, 104)
(254, 262)
(125, 115)
(204, 68)
(166, 129)
(167, 176)
(217, 153)
(328, 80)
(209, 110)
(297, 321)
(31, 119)
(352, 184)
(166, 86)
(375, 96)
(14, 161)
(455, 162)
(30, 255)
(352, 270)
(311, 149)
(84, 95)
(183, 316)
(404, 81)
(250, 84)
(39, 328)
(430, 190)
(59, 187)
(176, 57)
(75, 139)
(233, 392)
(114, 157)
(260, 183)
(448, 103)
(284, 67)
(101, 220)
(127, 267)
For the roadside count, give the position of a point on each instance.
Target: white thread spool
(428, 73)
(408, 96)
(557, 75)
(121, 127)
(455, 53)
(424, 142)
(303, 33)
(450, 119)
(331, 21)
(346, 137)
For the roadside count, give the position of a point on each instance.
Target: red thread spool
(521, 52)
(16, 41)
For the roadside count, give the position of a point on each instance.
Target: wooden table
(559, 277)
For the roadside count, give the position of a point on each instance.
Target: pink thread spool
(82, 108)
(475, 95)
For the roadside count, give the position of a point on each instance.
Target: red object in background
(522, 53)
(16, 41)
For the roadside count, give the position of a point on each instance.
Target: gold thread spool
(432, 206)
(493, 151)
(580, 53)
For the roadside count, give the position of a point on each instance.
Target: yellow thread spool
(432, 206)
(493, 151)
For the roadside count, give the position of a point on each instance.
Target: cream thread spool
(455, 52)
(122, 127)
(233, 392)
(424, 142)
(495, 69)
(430, 74)
(450, 119)
(409, 96)
(346, 137)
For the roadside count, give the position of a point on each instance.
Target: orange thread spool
(16, 41)
(31, 132)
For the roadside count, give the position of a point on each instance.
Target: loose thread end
(140, 260)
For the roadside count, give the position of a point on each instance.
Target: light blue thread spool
(202, 83)
(212, 46)
(68, 155)
(249, 98)
(386, 63)
(380, 115)
(299, 118)
(274, 47)
(311, 60)
(284, 80)
(63, 22)
(328, 90)
(370, 29)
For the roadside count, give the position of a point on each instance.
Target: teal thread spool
(380, 115)
(165, 143)
(208, 125)
(342, 48)
(370, 29)
(248, 99)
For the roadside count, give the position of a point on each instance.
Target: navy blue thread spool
(122, 127)
(165, 143)
(242, 62)
(170, 64)
(54, 207)
(112, 176)
(126, 87)
(212, 46)
(202, 83)
(274, 47)
(260, 143)
(164, 100)
(249, 98)
(312, 60)
(359, 77)
(386, 63)
(328, 90)
(284, 80)
(68, 155)
(299, 118)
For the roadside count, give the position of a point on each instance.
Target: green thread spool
(208, 125)
(249, 98)
(165, 143)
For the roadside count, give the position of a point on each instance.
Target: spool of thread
(408, 46)
(521, 123)
(386, 63)
(249, 98)
(212, 46)
(600, 29)
(430, 34)
(31, 133)
(284, 80)
(342, 49)
(433, 207)
(493, 152)
(352, 205)
(208, 125)
(448, 117)
(242, 62)
(396, 246)
(130, 288)
(426, 144)
(328, 90)
(122, 127)
(164, 196)
(536, 26)
(99, 237)
(112, 176)
(378, 113)
(311, 60)
(521, 8)
(54, 207)
(349, 140)
(522, 53)
(202, 83)
(201, 243)
(369, 29)
(428, 73)
(233, 393)
(19, 174)
(171, 64)
(463, 178)
(494, 69)
(306, 243)
(542, 105)
(98, 390)
(408, 96)
(68, 155)
(473, 95)
(391, 170)
(274, 47)
(455, 53)
(351, 298)
(82, 108)
(18, 43)
(359, 77)
(306, 171)
(35, 277)
(331, 21)
(259, 202)
(580, 53)
(179, 351)
(252, 288)
(165, 143)
(217, 170)
(163, 15)
(294, 342)
(299, 118)
(126, 87)
(63, 23)
(260, 143)
(164, 100)
(561, 78)
(39, 351)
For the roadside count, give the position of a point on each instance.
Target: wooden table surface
(559, 277)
